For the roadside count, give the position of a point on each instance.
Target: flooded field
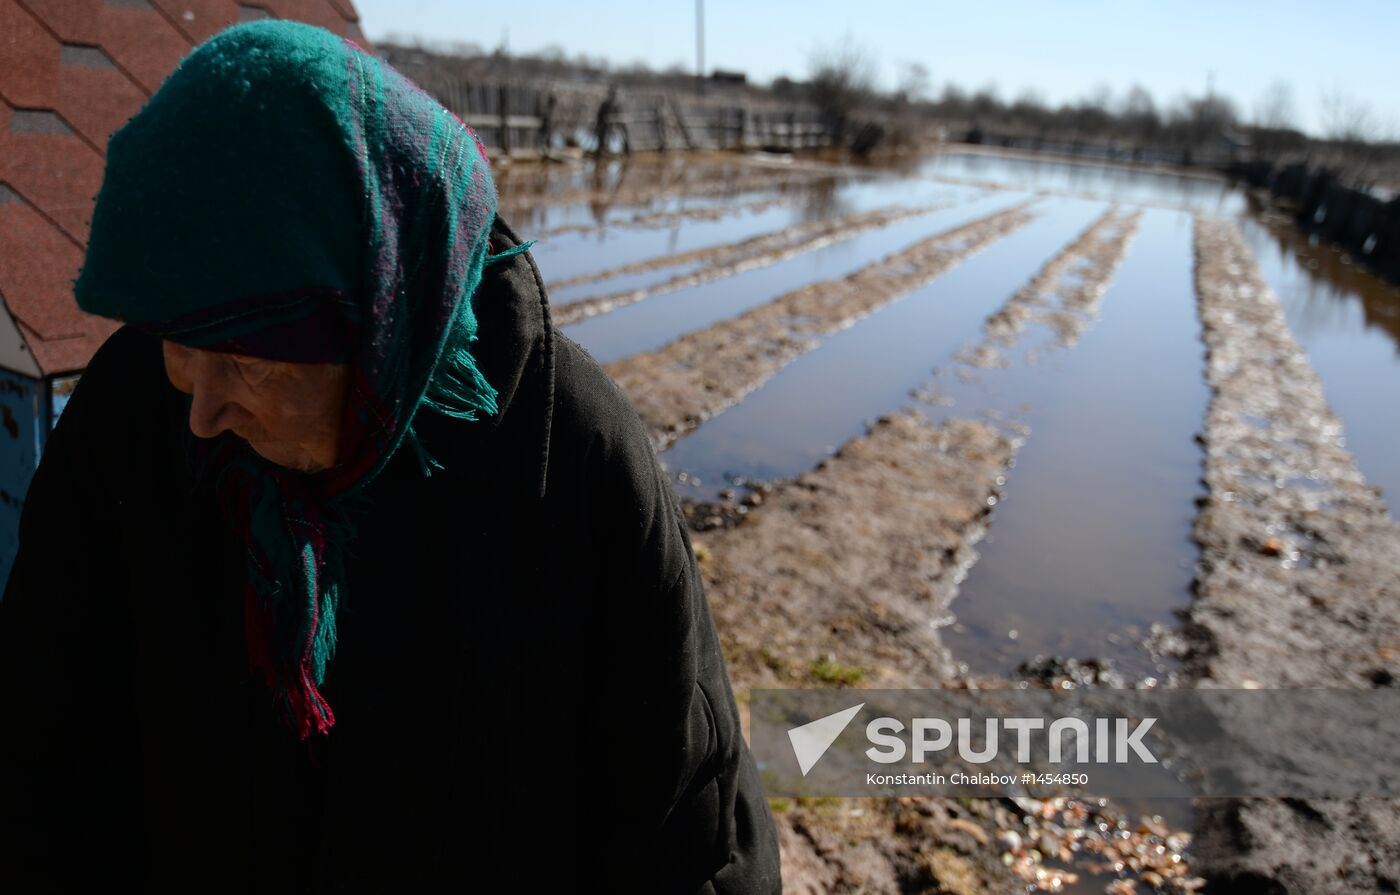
(993, 420)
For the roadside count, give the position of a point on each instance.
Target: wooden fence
(514, 118)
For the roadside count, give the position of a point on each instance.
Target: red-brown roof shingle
(71, 73)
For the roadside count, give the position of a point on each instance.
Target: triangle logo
(811, 740)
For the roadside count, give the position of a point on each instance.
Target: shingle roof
(71, 73)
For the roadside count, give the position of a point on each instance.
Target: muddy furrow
(1064, 295)
(660, 219)
(717, 262)
(680, 385)
(1299, 578)
(847, 564)
(1298, 583)
(832, 579)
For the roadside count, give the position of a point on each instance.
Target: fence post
(545, 103)
(680, 123)
(504, 95)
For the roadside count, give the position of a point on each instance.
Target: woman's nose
(213, 408)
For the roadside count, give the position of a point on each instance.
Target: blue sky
(1063, 50)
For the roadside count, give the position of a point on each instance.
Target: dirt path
(716, 262)
(678, 386)
(1298, 583)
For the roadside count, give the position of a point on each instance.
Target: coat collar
(515, 352)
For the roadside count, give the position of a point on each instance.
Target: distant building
(731, 78)
(71, 73)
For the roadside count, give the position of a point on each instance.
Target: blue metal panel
(60, 389)
(24, 416)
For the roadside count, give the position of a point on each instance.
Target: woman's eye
(252, 369)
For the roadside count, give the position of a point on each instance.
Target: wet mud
(716, 262)
(679, 386)
(1298, 583)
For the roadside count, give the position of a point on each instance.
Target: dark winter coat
(529, 691)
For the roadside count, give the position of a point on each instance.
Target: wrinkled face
(289, 413)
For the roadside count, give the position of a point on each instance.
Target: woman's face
(289, 413)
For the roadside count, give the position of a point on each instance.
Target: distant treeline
(840, 87)
(1206, 127)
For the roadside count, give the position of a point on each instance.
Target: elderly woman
(344, 570)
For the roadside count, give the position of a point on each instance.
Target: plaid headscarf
(287, 196)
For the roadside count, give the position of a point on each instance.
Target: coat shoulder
(593, 421)
(130, 361)
(121, 401)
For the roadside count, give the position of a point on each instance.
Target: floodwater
(1092, 542)
(1113, 182)
(567, 255)
(539, 202)
(651, 323)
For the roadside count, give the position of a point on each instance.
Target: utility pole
(700, 46)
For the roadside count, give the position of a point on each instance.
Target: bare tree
(913, 82)
(1274, 115)
(986, 102)
(1349, 122)
(1345, 118)
(842, 78)
(1199, 120)
(1275, 108)
(1138, 114)
(1100, 97)
(1029, 109)
(953, 102)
